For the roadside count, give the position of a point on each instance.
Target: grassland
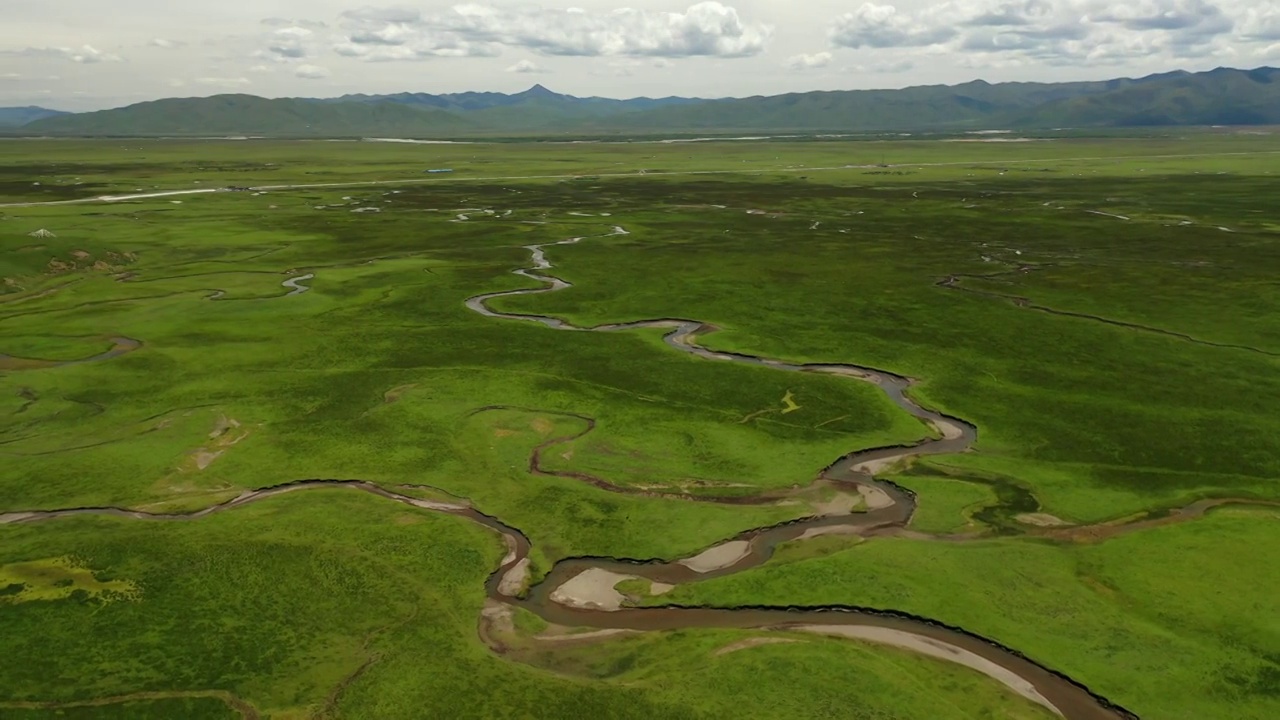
(1146, 616)
(1113, 367)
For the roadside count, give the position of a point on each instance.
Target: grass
(1120, 401)
(1136, 618)
(58, 579)
(278, 603)
(946, 505)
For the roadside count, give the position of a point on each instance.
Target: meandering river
(579, 592)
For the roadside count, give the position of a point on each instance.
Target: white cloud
(704, 29)
(884, 67)
(880, 26)
(806, 62)
(311, 72)
(222, 82)
(260, 69)
(289, 43)
(1055, 32)
(276, 22)
(10, 76)
(1262, 23)
(166, 43)
(525, 66)
(85, 54)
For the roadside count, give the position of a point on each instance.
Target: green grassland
(1138, 374)
(1173, 619)
(281, 603)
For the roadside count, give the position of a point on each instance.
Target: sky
(87, 54)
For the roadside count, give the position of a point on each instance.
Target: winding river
(891, 508)
(577, 592)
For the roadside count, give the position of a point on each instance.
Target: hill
(536, 95)
(1217, 97)
(251, 115)
(18, 116)
(1222, 96)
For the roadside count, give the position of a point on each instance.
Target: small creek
(119, 346)
(293, 283)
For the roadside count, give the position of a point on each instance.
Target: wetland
(598, 513)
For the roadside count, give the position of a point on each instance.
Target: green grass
(378, 371)
(1170, 621)
(187, 708)
(279, 602)
(946, 505)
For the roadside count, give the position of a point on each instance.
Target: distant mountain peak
(538, 91)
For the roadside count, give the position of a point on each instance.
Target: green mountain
(1217, 97)
(18, 116)
(251, 115)
(567, 105)
(1222, 96)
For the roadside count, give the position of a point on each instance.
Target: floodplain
(862, 428)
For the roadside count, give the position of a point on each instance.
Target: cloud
(882, 26)
(10, 76)
(166, 44)
(85, 54)
(1056, 31)
(1262, 23)
(525, 66)
(275, 22)
(808, 62)
(1167, 15)
(886, 67)
(311, 72)
(222, 82)
(289, 43)
(259, 69)
(470, 30)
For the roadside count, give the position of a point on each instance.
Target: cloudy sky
(86, 54)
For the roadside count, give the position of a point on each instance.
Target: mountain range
(12, 117)
(1223, 96)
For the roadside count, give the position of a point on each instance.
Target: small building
(42, 234)
(439, 170)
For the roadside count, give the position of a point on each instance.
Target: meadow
(1100, 308)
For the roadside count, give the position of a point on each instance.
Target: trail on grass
(953, 282)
